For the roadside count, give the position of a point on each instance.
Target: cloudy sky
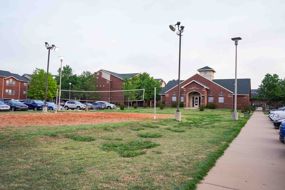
(133, 36)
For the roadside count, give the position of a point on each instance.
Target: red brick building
(201, 89)
(109, 82)
(12, 86)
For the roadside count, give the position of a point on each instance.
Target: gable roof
(123, 76)
(9, 74)
(196, 83)
(206, 69)
(243, 85)
(169, 85)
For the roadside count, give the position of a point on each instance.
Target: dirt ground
(70, 118)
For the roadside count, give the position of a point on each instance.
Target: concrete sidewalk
(254, 161)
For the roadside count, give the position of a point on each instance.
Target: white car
(4, 107)
(73, 104)
(107, 104)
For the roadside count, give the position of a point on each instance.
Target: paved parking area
(254, 161)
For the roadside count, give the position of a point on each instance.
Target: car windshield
(50, 103)
(38, 101)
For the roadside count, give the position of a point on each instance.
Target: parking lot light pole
(180, 30)
(49, 47)
(69, 89)
(235, 113)
(60, 75)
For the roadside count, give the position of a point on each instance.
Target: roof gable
(196, 83)
(9, 74)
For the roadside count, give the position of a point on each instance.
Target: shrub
(211, 106)
(202, 108)
(135, 106)
(161, 106)
(246, 109)
(122, 107)
(80, 138)
(181, 104)
(173, 104)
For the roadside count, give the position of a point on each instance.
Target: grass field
(161, 154)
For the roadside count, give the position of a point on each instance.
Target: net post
(154, 102)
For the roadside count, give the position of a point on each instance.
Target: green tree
(37, 85)
(143, 81)
(272, 88)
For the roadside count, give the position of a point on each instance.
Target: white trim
(12, 77)
(102, 70)
(196, 82)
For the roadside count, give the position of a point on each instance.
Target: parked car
(16, 105)
(98, 105)
(34, 104)
(4, 107)
(107, 104)
(282, 132)
(51, 106)
(89, 105)
(277, 118)
(73, 104)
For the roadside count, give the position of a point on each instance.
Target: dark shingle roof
(9, 74)
(243, 85)
(123, 76)
(206, 69)
(169, 85)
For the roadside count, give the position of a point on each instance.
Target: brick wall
(111, 84)
(17, 89)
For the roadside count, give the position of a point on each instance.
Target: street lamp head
(69, 83)
(61, 59)
(178, 23)
(172, 28)
(236, 38)
(46, 44)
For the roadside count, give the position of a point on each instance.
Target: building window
(10, 82)
(173, 98)
(221, 99)
(24, 92)
(182, 98)
(10, 91)
(25, 84)
(210, 99)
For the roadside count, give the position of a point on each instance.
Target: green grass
(114, 155)
(129, 149)
(149, 135)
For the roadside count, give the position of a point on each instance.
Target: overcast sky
(133, 36)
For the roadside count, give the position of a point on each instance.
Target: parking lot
(21, 119)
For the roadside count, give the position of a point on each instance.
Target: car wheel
(78, 107)
(66, 107)
(108, 107)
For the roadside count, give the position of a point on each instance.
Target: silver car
(4, 107)
(73, 104)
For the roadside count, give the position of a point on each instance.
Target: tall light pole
(49, 47)
(60, 75)
(179, 32)
(69, 89)
(235, 114)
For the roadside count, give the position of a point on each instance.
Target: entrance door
(196, 101)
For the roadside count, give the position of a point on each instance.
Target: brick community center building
(201, 89)
(12, 86)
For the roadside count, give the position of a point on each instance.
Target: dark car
(99, 106)
(51, 106)
(16, 105)
(282, 132)
(34, 104)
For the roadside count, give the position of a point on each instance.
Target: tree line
(86, 81)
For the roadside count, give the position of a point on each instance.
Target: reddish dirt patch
(70, 118)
